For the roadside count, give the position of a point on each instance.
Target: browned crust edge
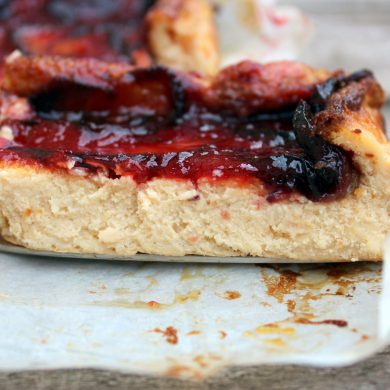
(182, 34)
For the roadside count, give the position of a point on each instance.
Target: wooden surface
(372, 374)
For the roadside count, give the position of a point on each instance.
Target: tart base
(63, 212)
(67, 207)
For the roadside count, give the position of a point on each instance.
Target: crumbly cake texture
(67, 211)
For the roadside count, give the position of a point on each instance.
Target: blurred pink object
(260, 30)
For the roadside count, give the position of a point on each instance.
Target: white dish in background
(260, 30)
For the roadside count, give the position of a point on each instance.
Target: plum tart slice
(278, 160)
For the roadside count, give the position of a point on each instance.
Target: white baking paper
(187, 320)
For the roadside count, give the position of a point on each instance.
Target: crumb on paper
(230, 295)
(222, 334)
(170, 334)
(193, 332)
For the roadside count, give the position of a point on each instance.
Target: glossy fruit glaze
(105, 29)
(155, 123)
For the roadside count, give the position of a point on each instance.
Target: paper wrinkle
(188, 320)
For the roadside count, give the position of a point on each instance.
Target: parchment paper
(188, 320)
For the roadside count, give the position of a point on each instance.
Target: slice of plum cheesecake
(278, 160)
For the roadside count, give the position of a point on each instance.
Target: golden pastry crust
(181, 34)
(352, 119)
